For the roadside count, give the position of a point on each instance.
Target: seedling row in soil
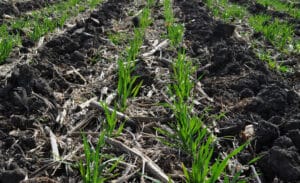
(150, 91)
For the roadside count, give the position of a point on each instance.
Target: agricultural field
(195, 91)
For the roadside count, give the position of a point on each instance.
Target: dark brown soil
(30, 98)
(62, 76)
(243, 86)
(18, 8)
(255, 8)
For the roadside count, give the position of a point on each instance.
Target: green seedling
(175, 31)
(225, 10)
(62, 20)
(111, 121)
(135, 44)
(145, 20)
(7, 42)
(126, 83)
(202, 170)
(233, 12)
(117, 38)
(93, 3)
(94, 167)
(6, 46)
(168, 12)
(39, 24)
(281, 6)
(37, 32)
(277, 32)
(266, 57)
(175, 34)
(182, 72)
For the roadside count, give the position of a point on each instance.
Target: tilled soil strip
(256, 8)
(33, 96)
(18, 8)
(250, 94)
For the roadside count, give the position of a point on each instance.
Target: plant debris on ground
(149, 91)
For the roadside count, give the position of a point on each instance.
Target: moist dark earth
(34, 94)
(16, 8)
(237, 79)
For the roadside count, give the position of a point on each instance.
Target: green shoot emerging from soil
(175, 31)
(39, 24)
(278, 33)
(281, 6)
(111, 121)
(190, 133)
(225, 10)
(127, 85)
(94, 167)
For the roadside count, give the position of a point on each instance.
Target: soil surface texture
(16, 8)
(250, 93)
(48, 95)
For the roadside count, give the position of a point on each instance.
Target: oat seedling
(202, 170)
(6, 45)
(94, 167)
(233, 12)
(225, 10)
(266, 57)
(175, 31)
(126, 83)
(168, 12)
(117, 38)
(7, 42)
(62, 20)
(39, 24)
(183, 70)
(111, 121)
(93, 3)
(281, 6)
(277, 32)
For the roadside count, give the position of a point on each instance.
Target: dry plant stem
(120, 115)
(62, 115)
(54, 147)
(255, 174)
(204, 67)
(153, 168)
(199, 89)
(87, 103)
(163, 44)
(126, 176)
(80, 125)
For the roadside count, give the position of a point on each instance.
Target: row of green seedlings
(191, 135)
(278, 32)
(94, 168)
(127, 84)
(99, 167)
(39, 23)
(286, 7)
